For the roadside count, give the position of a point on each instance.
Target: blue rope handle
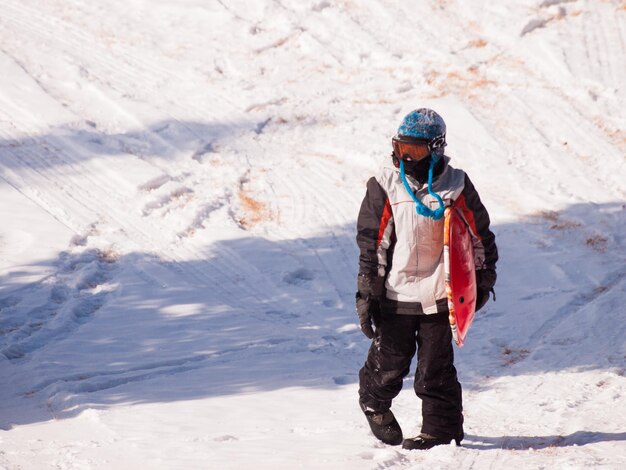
(420, 208)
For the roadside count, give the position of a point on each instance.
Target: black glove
(367, 304)
(368, 310)
(485, 280)
(482, 296)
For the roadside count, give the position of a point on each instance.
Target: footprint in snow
(154, 183)
(298, 277)
(281, 314)
(71, 303)
(9, 302)
(344, 380)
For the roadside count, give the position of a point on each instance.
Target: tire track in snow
(573, 107)
(71, 43)
(154, 134)
(141, 232)
(213, 281)
(600, 47)
(86, 191)
(568, 110)
(77, 198)
(117, 74)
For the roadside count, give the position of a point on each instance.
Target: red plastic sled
(458, 253)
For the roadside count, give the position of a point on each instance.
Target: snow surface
(179, 187)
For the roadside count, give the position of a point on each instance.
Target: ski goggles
(410, 150)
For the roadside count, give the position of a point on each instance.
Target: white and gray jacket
(407, 248)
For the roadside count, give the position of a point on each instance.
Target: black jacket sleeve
(375, 212)
(476, 215)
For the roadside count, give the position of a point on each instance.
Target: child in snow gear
(401, 298)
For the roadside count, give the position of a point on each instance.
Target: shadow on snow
(81, 141)
(260, 315)
(578, 438)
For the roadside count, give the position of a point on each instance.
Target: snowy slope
(179, 183)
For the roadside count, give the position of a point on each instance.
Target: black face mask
(418, 169)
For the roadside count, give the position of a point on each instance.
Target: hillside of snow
(179, 185)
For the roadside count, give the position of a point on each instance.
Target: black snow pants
(436, 384)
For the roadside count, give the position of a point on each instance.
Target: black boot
(383, 425)
(426, 441)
